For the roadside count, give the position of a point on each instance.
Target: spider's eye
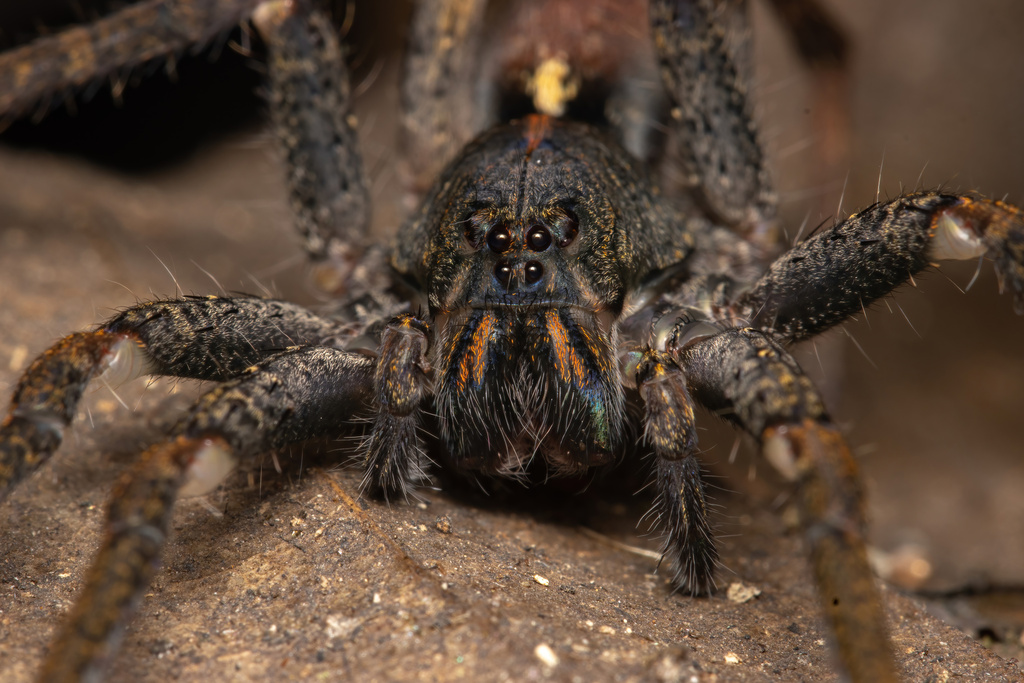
(499, 239)
(534, 272)
(538, 238)
(503, 272)
(569, 226)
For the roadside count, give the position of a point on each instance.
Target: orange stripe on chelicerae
(478, 347)
(474, 361)
(570, 365)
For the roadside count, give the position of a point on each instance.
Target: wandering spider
(564, 219)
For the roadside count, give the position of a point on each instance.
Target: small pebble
(546, 655)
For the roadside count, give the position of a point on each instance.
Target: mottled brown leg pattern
(58, 65)
(839, 271)
(311, 106)
(296, 395)
(209, 338)
(310, 100)
(137, 521)
(44, 403)
(394, 454)
(441, 70)
(670, 429)
(752, 381)
(715, 131)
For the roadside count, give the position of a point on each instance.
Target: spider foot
(394, 457)
(975, 227)
(690, 542)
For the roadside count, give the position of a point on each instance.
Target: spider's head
(528, 251)
(539, 210)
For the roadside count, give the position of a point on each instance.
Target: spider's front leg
(838, 272)
(207, 338)
(296, 395)
(749, 379)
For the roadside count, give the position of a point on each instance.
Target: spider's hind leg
(311, 106)
(207, 338)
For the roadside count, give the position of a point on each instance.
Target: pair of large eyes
(499, 239)
(538, 237)
(533, 271)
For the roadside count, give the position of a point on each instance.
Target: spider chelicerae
(482, 230)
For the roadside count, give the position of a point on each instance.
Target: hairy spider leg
(311, 108)
(837, 272)
(207, 338)
(36, 75)
(293, 396)
(441, 69)
(310, 101)
(716, 138)
(749, 379)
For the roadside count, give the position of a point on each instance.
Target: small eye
(534, 272)
(569, 226)
(538, 238)
(499, 239)
(473, 228)
(503, 273)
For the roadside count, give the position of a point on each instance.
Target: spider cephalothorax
(555, 289)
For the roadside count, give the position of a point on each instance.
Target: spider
(476, 351)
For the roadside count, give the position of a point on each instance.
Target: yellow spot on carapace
(552, 86)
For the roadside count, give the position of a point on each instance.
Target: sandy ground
(297, 580)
